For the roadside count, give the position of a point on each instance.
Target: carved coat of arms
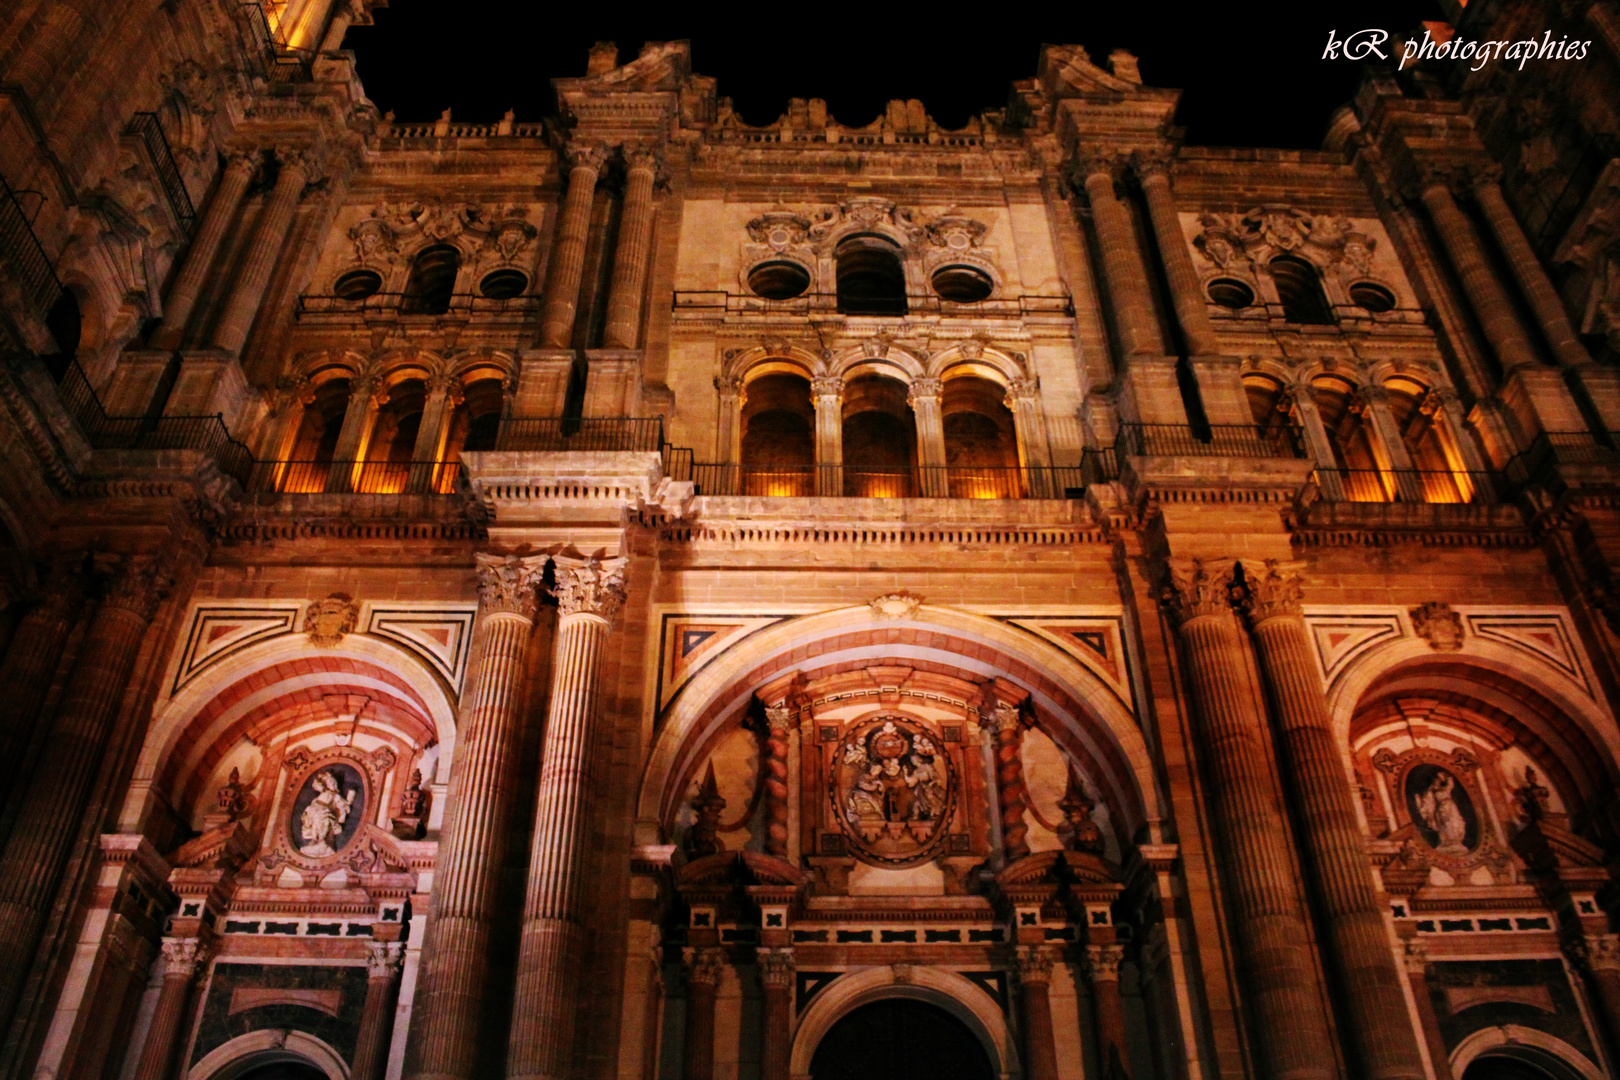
(893, 790)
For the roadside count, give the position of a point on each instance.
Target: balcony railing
(941, 482)
(557, 435)
(1539, 461)
(317, 477)
(24, 254)
(207, 434)
(1217, 440)
(392, 304)
(720, 302)
(1410, 485)
(147, 128)
(280, 60)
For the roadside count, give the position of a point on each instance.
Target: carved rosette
(384, 959)
(1034, 963)
(1102, 962)
(776, 968)
(592, 586)
(137, 584)
(704, 966)
(1272, 590)
(1198, 588)
(507, 584)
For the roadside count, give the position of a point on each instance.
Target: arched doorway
(900, 1039)
(1519, 1063)
(284, 1069)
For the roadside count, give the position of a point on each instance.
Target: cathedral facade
(634, 594)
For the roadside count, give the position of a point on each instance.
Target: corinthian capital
(589, 586)
(182, 956)
(1273, 590)
(305, 161)
(1198, 588)
(776, 968)
(1034, 963)
(1102, 962)
(136, 583)
(1021, 389)
(1152, 161)
(643, 158)
(585, 157)
(507, 583)
(384, 959)
(703, 966)
(924, 388)
(827, 386)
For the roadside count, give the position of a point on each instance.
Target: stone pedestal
(613, 382)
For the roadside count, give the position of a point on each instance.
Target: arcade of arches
(644, 596)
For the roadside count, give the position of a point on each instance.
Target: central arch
(899, 1038)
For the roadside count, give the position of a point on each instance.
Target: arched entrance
(1519, 1063)
(291, 1069)
(900, 1039)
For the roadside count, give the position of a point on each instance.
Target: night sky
(1252, 73)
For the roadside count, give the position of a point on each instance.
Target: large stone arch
(269, 1046)
(1515, 1036)
(957, 995)
(1088, 716)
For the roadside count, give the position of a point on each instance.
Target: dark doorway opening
(900, 1039)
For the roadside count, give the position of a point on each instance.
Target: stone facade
(640, 595)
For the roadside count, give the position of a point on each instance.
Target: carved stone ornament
(899, 605)
(181, 956)
(1082, 833)
(776, 968)
(590, 586)
(1439, 625)
(703, 838)
(1198, 588)
(232, 801)
(779, 229)
(893, 790)
(323, 821)
(1035, 963)
(956, 233)
(374, 240)
(704, 966)
(507, 583)
(1272, 589)
(509, 236)
(1238, 242)
(1440, 805)
(384, 959)
(1102, 962)
(328, 621)
(137, 584)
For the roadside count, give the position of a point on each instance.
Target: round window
(504, 284)
(1374, 298)
(357, 285)
(778, 280)
(1230, 293)
(962, 284)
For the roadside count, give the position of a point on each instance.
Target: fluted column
(776, 971)
(1417, 976)
(927, 408)
(264, 250)
(728, 431)
(589, 594)
(58, 790)
(567, 261)
(630, 256)
(383, 961)
(1300, 403)
(1107, 1011)
(443, 395)
(1122, 261)
(188, 284)
(1023, 400)
(1335, 849)
(1389, 447)
(182, 959)
(827, 394)
(703, 970)
(1490, 301)
(366, 396)
(1598, 957)
(779, 726)
(449, 999)
(1034, 965)
(1268, 909)
(32, 658)
(1532, 277)
(1186, 294)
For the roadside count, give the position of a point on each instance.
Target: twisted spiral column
(568, 250)
(779, 727)
(589, 594)
(1380, 1029)
(1007, 730)
(444, 1032)
(183, 958)
(58, 791)
(1289, 1025)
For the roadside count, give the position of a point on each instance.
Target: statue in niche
(1084, 833)
(703, 838)
(327, 811)
(1532, 798)
(232, 801)
(1442, 810)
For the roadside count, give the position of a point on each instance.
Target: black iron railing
(280, 60)
(393, 303)
(848, 481)
(624, 434)
(1217, 440)
(718, 301)
(147, 127)
(1410, 485)
(356, 477)
(24, 253)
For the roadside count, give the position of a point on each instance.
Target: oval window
(504, 284)
(357, 285)
(962, 284)
(1374, 298)
(1230, 293)
(778, 280)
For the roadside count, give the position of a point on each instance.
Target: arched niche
(879, 438)
(778, 448)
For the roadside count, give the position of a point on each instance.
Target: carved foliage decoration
(893, 790)
(1234, 241)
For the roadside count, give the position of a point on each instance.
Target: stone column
(1335, 848)
(32, 658)
(1007, 729)
(776, 971)
(780, 724)
(1186, 293)
(630, 255)
(366, 396)
(1598, 956)
(1034, 965)
(1485, 293)
(927, 407)
(383, 962)
(183, 958)
(703, 969)
(1268, 910)
(1532, 277)
(1389, 447)
(58, 789)
(1122, 262)
(188, 284)
(728, 431)
(827, 394)
(589, 594)
(450, 995)
(264, 250)
(1417, 976)
(1300, 403)
(1108, 1012)
(567, 260)
(1023, 400)
(443, 395)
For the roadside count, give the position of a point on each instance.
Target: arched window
(1352, 447)
(1300, 290)
(871, 279)
(393, 439)
(317, 438)
(981, 443)
(778, 437)
(432, 281)
(880, 439)
(1428, 440)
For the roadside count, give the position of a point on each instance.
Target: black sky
(1253, 73)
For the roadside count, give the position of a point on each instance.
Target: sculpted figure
(1439, 812)
(324, 817)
